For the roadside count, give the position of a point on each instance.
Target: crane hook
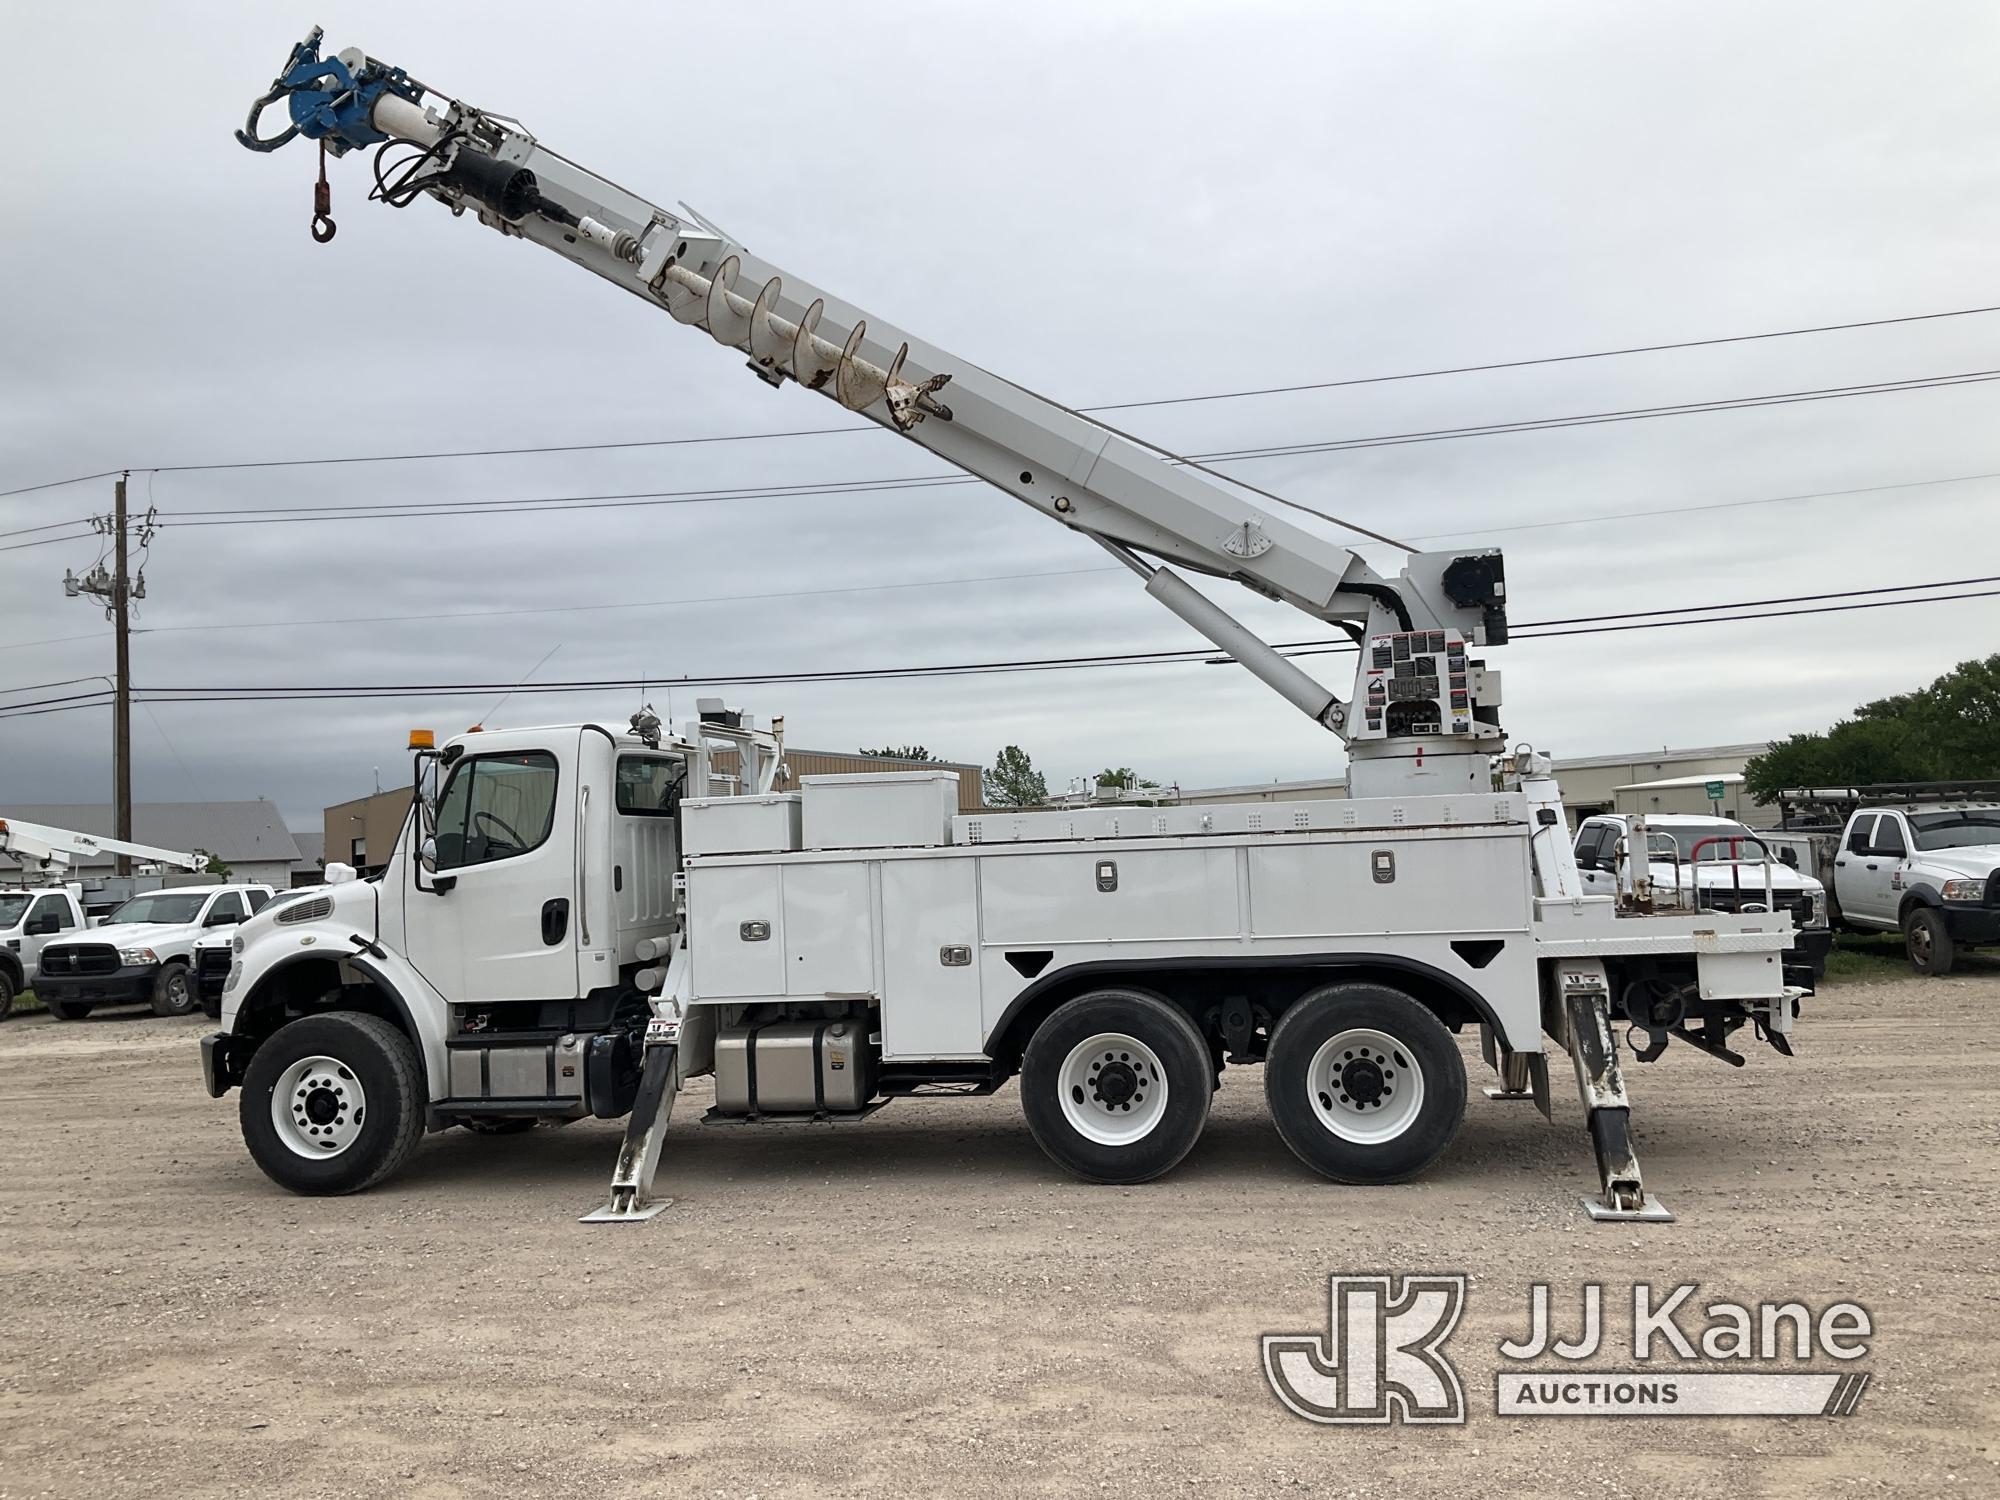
(323, 227)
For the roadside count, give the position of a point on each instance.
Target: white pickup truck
(29, 918)
(143, 953)
(1714, 863)
(1918, 858)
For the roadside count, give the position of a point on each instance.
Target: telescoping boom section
(577, 919)
(1423, 714)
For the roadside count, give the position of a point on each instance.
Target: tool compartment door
(930, 1008)
(736, 930)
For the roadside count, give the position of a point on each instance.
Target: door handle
(1874, 866)
(555, 920)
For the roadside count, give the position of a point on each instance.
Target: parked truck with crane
(577, 919)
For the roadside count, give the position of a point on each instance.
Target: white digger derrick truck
(579, 919)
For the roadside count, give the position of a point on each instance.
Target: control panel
(1414, 683)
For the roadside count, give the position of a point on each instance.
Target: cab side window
(1889, 837)
(257, 900)
(1860, 838)
(1590, 845)
(225, 909)
(496, 807)
(50, 908)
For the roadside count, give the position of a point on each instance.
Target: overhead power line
(434, 616)
(419, 509)
(1231, 395)
(1749, 610)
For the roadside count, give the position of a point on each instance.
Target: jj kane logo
(1382, 1357)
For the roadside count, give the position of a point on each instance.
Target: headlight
(235, 973)
(1965, 890)
(1819, 909)
(133, 957)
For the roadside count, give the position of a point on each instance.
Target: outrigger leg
(1523, 1075)
(1593, 1047)
(632, 1200)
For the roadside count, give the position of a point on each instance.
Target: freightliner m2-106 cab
(578, 919)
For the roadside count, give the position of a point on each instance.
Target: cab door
(498, 918)
(1865, 870)
(48, 919)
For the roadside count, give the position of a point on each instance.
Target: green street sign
(1716, 791)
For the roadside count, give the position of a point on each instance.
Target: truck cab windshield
(11, 908)
(158, 907)
(1961, 828)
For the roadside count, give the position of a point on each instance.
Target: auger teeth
(857, 383)
(769, 343)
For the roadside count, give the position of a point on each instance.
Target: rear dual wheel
(1115, 1086)
(1364, 1084)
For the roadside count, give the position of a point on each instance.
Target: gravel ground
(921, 1303)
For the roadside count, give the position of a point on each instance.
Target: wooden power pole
(114, 591)
(121, 711)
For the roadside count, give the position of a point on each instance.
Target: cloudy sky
(1105, 202)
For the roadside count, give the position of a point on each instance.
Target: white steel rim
(1113, 1089)
(1366, 1086)
(318, 1107)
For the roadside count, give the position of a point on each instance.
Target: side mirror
(427, 856)
(1789, 856)
(41, 925)
(223, 919)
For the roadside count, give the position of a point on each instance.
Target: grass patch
(25, 1004)
(1870, 956)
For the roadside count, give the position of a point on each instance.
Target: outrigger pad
(1650, 1211)
(639, 1215)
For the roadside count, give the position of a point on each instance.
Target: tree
(215, 866)
(1014, 781)
(1949, 730)
(899, 752)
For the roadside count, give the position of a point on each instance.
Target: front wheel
(68, 1010)
(7, 988)
(174, 992)
(1928, 942)
(1115, 1086)
(1364, 1084)
(333, 1103)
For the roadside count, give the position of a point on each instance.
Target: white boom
(1426, 718)
(46, 848)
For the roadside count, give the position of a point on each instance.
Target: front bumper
(1969, 923)
(223, 1060)
(1814, 944)
(122, 986)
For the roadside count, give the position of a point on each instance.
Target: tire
(324, 1064)
(1126, 1116)
(8, 988)
(174, 992)
(1928, 942)
(1364, 1084)
(499, 1124)
(68, 1010)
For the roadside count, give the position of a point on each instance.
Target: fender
(1915, 896)
(1452, 985)
(398, 989)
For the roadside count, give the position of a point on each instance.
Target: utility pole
(116, 590)
(121, 710)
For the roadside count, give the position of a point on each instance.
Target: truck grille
(80, 958)
(211, 970)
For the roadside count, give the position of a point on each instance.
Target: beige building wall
(363, 832)
(1590, 783)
